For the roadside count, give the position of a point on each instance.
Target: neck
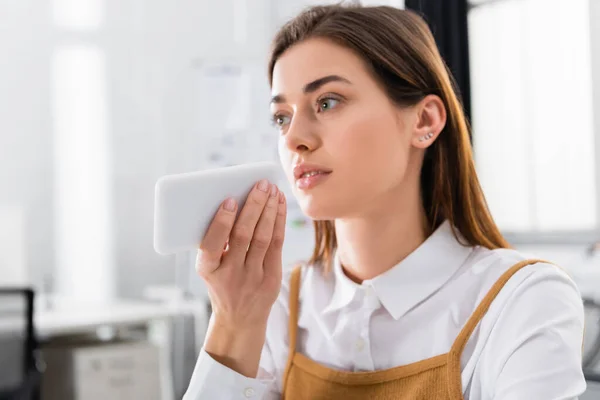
(373, 243)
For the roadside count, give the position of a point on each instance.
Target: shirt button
(360, 344)
(369, 291)
(249, 392)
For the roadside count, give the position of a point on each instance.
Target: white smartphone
(185, 204)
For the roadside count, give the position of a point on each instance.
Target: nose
(302, 135)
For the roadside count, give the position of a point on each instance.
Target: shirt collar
(412, 280)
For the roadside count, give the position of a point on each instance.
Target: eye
(327, 103)
(280, 120)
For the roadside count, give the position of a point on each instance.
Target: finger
(273, 257)
(264, 231)
(211, 247)
(243, 229)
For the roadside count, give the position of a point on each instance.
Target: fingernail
(273, 190)
(281, 198)
(229, 204)
(263, 185)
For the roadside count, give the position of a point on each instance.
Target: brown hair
(401, 53)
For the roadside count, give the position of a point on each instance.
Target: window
(81, 132)
(532, 115)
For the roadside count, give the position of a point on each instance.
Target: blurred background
(100, 98)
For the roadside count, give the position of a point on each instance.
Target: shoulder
(534, 323)
(286, 277)
(541, 283)
(537, 300)
(517, 298)
(277, 334)
(311, 278)
(488, 267)
(537, 295)
(280, 312)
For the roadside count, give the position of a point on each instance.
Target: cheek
(372, 145)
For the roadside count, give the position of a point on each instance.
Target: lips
(305, 170)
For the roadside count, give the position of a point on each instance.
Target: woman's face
(337, 124)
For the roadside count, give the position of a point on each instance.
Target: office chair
(20, 362)
(591, 356)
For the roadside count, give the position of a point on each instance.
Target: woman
(411, 292)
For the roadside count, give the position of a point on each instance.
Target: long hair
(401, 53)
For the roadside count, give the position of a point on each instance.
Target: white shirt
(527, 346)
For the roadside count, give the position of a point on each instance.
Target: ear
(430, 121)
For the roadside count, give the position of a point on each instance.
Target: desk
(75, 318)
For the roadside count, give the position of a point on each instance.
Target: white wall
(148, 47)
(25, 134)
(152, 50)
(151, 53)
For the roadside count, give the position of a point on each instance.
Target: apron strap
(294, 301)
(464, 335)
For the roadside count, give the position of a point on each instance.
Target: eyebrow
(313, 86)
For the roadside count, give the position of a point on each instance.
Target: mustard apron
(436, 378)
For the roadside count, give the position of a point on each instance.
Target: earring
(426, 137)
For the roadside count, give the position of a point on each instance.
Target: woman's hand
(241, 263)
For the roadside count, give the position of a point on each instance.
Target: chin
(319, 209)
